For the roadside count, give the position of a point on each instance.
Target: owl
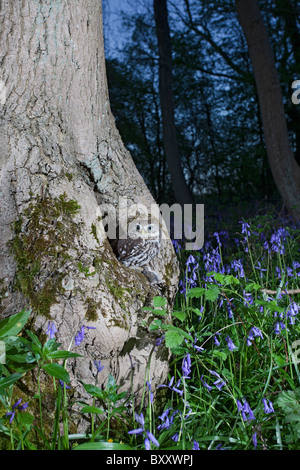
(140, 247)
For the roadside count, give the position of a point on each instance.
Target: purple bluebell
(63, 384)
(51, 330)
(268, 406)
(230, 344)
(245, 228)
(15, 407)
(245, 409)
(254, 332)
(219, 383)
(237, 266)
(216, 341)
(278, 327)
(98, 365)
(148, 436)
(80, 334)
(186, 366)
(173, 388)
(209, 388)
(254, 440)
(150, 391)
(195, 445)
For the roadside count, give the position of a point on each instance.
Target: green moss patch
(40, 246)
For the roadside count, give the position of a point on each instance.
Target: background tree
(182, 192)
(284, 167)
(60, 157)
(217, 113)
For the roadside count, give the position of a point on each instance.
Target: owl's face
(143, 229)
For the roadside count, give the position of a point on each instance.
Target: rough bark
(285, 170)
(60, 157)
(182, 192)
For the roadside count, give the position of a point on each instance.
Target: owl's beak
(143, 232)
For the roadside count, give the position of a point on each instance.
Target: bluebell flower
(195, 446)
(63, 384)
(186, 366)
(216, 341)
(209, 388)
(278, 327)
(230, 344)
(219, 383)
(51, 330)
(268, 406)
(148, 436)
(245, 409)
(237, 266)
(98, 365)
(80, 334)
(254, 332)
(173, 388)
(167, 420)
(254, 440)
(150, 391)
(230, 312)
(15, 407)
(245, 228)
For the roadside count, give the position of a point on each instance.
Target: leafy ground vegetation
(234, 379)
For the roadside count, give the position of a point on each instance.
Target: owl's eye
(149, 228)
(138, 227)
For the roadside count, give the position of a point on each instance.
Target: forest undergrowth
(234, 380)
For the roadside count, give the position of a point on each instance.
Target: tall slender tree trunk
(60, 157)
(285, 170)
(182, 192)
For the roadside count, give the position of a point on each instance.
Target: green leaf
(159, 301)
(36, 342)
(175, 336)
(25, 419)
(180, 315)
(7, 381)
(93, 390)
(252, 286)
(12, 325)
(212, 293)
(91, 409)
(57, 371)
(62, 355)
(102, 445)
(195, 292)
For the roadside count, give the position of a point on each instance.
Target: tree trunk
(285, 170)
(182, 192)
(61, 156)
